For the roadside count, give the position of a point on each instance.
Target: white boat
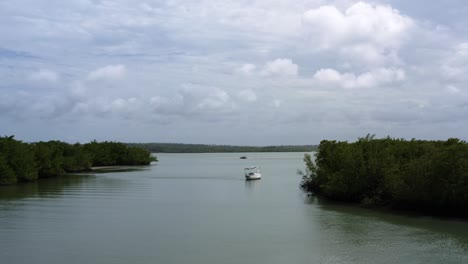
(252, 173)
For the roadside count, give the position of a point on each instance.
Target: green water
(197, 208)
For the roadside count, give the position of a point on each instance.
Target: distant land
(205, 148)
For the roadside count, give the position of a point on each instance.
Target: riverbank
(417, 175)
(23, 162)
(386, 209)
(104, 169)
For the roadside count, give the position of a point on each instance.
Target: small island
(22, 162)
(415, 175)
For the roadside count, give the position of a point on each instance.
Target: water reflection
(43, 187)
(198, 205)
(250, 186)
(351, 234)
(61, 186)
(110, 169)
(354, 221)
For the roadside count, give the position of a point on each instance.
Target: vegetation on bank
(201, 148)
(420, 175)
(21, 161)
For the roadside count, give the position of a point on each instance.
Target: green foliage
(201, 148)
(18, 163)
(49, 157)
(27, 162)
(7, 175)
(114, 153)
(137, 156)
(75, 158)
(421, 175)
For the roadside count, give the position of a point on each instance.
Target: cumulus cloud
(27, 105)
(362, 22)
(45, 75)
(247, 69)
(109, 72)
(280, 67)
(369, 79)
(197, 49)
(276, 67)
(215, 99)
(193, 99)
(130, 108)
(363, 32)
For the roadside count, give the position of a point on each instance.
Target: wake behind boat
(252, 173)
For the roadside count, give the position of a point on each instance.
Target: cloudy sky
(238, 72)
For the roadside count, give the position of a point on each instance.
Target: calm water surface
(196, 208)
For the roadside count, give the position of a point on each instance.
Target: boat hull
(255, 176)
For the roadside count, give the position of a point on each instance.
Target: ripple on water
(198, 209)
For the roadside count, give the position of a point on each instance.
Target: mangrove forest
(417, 175)
(204, 148)
(21, 162)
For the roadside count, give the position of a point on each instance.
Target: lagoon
(197, 208)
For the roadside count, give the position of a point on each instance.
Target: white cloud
(193, 99)
(362, 22)
(369, 79)
(248, 96)
(362, 44)
(282, 67)
(125, 107)
(277, 67)
(363, 32)
(78, 90)
(261, 18)
(452, 89)
(455, 65)
(247, 69)
(215, 99)
(369, 54)
(109, 72)
(328, 75)
(462, 49)
(45, 75)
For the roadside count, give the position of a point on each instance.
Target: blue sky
(233, 72)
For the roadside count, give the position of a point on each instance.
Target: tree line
(203, 148)
(421, 175)
(20, 161)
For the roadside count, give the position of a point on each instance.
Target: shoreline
(116, 168)
(388, 209)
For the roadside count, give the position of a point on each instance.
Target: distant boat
(252, 173)
(243, 157)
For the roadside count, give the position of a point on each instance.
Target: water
(196, 208)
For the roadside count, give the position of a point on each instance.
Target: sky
(236, 72)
